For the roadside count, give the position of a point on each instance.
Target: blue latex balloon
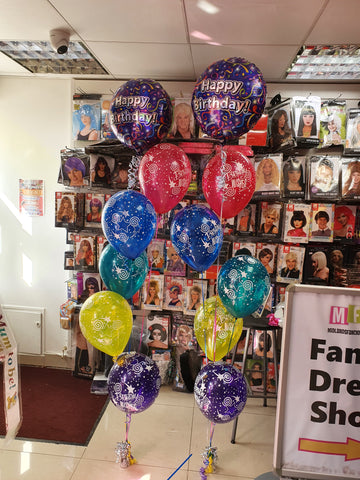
(140, 113)
(197, 236)
(129, 222)
(229, 98)
(243, 285)
(220, 392)
(121, 274)
(133, 382)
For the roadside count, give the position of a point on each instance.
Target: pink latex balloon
(235, 185)
(164, 176)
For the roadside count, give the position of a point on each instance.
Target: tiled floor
(161, 438)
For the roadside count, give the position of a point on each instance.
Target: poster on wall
(31, 197)
(317, 425)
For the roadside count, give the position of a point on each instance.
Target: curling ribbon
(273, 321)
(123, 454)
(209, 460)
(133, 175)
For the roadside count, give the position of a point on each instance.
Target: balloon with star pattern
(164, 176)
(129, 222)
(220, 392)
(133, 382)
(121, 274)
(243, 285)
(229, 98)
(197, 236)
(228, 185)
(106, 322)
(216, 344)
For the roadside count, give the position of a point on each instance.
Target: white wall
(35, 123)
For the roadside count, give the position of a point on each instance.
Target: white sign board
(318, 410)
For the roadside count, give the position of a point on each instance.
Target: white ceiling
(157, 38)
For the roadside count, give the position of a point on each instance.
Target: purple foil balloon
(140, 113)
(220, 392)
(229, 98)
(134, 382)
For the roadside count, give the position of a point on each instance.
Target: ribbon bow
(273, 321)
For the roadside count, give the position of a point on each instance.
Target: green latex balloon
(228, 329)
(106, 322)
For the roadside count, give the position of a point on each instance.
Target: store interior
(179, 42)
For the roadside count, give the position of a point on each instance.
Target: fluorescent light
(40, 57)
(207, 7)
(200, 35)
(326, 62)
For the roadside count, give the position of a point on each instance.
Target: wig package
(332, 123)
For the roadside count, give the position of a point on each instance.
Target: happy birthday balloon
(228, 329)
(228, 186)
(229, 98)
(140, 113)
(243, 285)
(134, 382)
(129, 222)
(220, 392)
(106, 322)
(197, 236)
(121, 274)
(164, 176)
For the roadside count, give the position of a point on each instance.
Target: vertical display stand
(318, 412)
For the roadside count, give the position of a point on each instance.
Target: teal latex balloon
(121, 274)
(243, 285)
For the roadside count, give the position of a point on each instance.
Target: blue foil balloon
(121, 274)
(243, 285)
(133, 382)
(197, 236)
(220, 392)
(129, 222)
(229, 98)
(140, 113)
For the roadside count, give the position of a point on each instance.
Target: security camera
(60, 41)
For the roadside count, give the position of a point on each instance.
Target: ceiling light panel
(40, 57)
(326, 62)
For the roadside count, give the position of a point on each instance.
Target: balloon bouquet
(140, 116)
(228, 99)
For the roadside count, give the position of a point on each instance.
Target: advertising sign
(8, 355)
(318, 410)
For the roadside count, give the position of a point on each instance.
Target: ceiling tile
(9, 67)
(271, 60)
(158, 61)
(119, 21)
(253, 22)
(28, 20)
(338, 24)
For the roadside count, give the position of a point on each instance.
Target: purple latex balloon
(229, 98)
(140, 114)
(220, 392)
(133, 382)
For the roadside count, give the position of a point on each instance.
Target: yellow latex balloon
(106, 322)
(228, 329)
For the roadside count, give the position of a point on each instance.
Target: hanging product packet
(306, 120)
(352, 145)
(67, 311)
(332, 123)
(280, 128)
